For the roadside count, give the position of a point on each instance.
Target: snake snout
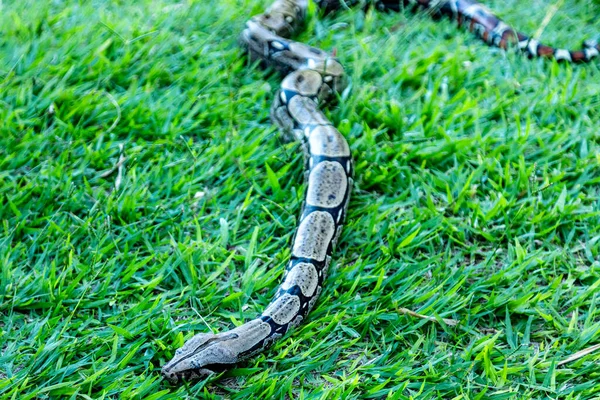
(188, 375)
(172, 377)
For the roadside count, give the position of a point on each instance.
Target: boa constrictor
(312, 77)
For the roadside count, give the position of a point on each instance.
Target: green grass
(477, 199)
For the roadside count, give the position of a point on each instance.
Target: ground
(145, 196)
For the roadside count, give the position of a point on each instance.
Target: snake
(313, 78)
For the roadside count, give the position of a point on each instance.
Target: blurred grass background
(145, 196)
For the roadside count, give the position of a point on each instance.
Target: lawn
(145, 196)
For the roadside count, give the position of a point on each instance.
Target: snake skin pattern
(484, 23)
(312, 77)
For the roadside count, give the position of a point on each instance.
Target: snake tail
(484, 23)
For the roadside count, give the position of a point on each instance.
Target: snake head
(202, 355)
(206, 353)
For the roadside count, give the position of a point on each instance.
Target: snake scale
(312, 78)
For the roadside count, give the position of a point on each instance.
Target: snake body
(312, 77)
(484, 23)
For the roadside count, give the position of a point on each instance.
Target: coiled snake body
(313, 78)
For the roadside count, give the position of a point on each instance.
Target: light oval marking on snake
(284, 309)
(325, 140)
(328, 66)
(303, 275)
(314, 235)
(303, 82)
(327, 184)
(305, 111)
